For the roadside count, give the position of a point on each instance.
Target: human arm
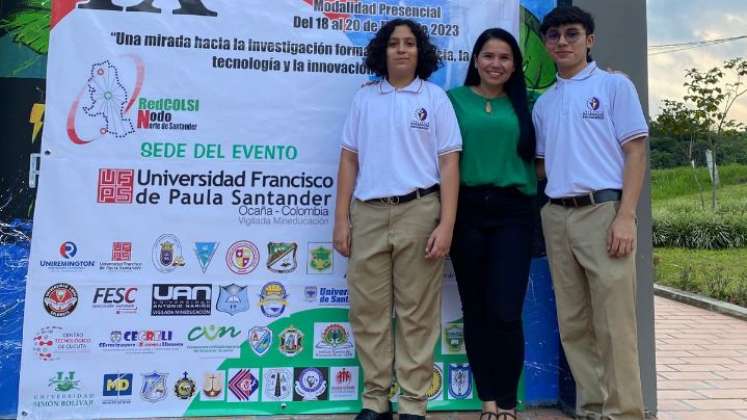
(440, 240)
(539, 167)
(621, 235)
(346, 175)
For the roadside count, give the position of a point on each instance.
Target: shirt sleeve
(627, 115)
(538, 132)
(447, 128)
(350, 129)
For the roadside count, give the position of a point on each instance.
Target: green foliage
(30, 25)
(700, 230)
(674, 183)
(719, 274)
(670, 152)
(679, 219)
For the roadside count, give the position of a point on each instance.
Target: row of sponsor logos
(237, 385)
(331, 340)
(189, 299)
(241, 257)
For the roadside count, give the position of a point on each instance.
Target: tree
(705, 110)
(680, 122)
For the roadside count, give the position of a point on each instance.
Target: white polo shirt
(398, 135)
(581, 125)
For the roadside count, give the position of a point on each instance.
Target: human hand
(341, 237)
(621, 236)
(439, 242)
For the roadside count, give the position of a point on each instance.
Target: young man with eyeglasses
(591, 135)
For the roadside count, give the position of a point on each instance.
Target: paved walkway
(701, 359)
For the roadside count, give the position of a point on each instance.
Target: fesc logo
(120, 300)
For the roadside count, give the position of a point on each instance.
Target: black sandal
(489, 414)
(505, 415)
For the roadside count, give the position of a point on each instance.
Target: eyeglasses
(571, 36)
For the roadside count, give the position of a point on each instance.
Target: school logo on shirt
(592, 109)
(420, 119)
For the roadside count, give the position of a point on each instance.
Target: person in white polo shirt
(591, 135)
(397, 192)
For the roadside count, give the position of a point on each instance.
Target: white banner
(182, 261)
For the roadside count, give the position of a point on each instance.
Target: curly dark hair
(515, 88)
(428, 60)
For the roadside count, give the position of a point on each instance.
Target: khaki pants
(388, 271)
(595, 297)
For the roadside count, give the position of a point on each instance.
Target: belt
(595, 197)
(401, 199)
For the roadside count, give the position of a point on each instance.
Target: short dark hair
(515, 88)
(569, 15)
(428, 60)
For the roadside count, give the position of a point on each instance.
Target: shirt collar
(582, 75)
(414, 86)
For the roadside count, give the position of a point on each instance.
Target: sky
(676, 21)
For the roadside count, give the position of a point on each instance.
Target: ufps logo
(115, 186)
(117, 385)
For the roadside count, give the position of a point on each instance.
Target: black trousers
(491, 253)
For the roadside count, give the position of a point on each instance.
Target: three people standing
(397, 205)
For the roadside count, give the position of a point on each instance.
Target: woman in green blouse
(491, 249)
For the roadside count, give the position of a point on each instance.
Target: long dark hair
(428, 60)
(515, 88)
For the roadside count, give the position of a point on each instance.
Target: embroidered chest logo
(420, 119)
(593, 111)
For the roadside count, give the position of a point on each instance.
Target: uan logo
(181, 299)
(186, 7)
(115, 186)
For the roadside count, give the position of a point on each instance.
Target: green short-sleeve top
(489, 142)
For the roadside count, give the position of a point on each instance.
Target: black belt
(401, 199)
(595, 197)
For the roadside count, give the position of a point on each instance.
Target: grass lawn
(731, 199)
(721, 274)
(676, 182)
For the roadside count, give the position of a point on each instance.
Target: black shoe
(367, 414)
(411, 417)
